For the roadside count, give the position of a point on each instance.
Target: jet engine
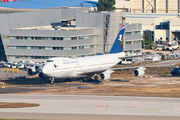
(139, 72)
(105, 75)
(41, 75)
(32, 71)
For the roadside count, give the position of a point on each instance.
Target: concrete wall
(122, 6)
(148, 24)
(71, 13)
(32, 19)
(161, 34)
(137, 46)
(133, 37)
(4, 24)
(92, 19)
(53, 33)
(115, 24)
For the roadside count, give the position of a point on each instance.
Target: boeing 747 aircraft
(84, 67)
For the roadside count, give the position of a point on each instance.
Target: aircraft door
(99, 64)
(87, 66)
(57, 65)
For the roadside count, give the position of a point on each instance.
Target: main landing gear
(94, 79)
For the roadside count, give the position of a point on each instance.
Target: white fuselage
(60, 67)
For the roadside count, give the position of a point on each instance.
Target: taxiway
(91, 107)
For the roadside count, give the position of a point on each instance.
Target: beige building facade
(163, 27)
(155, 6)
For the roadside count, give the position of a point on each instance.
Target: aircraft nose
(44, 70)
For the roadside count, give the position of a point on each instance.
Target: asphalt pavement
(38, 87)
(86, 107)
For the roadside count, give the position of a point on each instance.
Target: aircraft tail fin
(118, 44)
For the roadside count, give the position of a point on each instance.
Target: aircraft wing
(144, 66)
(157, 64)
(38, 65)
(90, 73)
(131, 56)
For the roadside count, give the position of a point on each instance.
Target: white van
(172, 46)
(159, 47)
(127, 61)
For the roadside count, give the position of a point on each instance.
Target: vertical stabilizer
(118, 44)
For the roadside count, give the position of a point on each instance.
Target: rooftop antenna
(81, 4)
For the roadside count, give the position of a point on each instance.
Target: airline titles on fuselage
(71, 62)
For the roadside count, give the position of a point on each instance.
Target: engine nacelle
(139, 72)
(32, 71)
(41, 75)
(104, 76)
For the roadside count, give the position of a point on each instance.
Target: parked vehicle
(159, 53)
(21, 66)
(21, 61)
(8, 65)
(173, 56)
(127, 61)
(172, 46)
(14, 66)
(27, 66)
(149, 53)
(148, 57)
(159, 47)
(175, 71)
(1, 65)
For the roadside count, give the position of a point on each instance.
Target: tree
(147, 40)
(163, 57)
(106, 5)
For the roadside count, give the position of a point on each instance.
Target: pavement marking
(159, 110)
(102, 106)
(132, 106)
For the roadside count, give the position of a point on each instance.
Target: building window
(66, 38)
(65, 48)
(86, 46)
(74, 38)
(48, 48)
(60, 38)
(128, 33)
(52, 48)
(52, 38)
(43, 38)
(128, 42)
(81, 47)
(74, 48)
(133, 32)
(12, 47)
(12, 37)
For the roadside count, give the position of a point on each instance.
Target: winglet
(118, 44)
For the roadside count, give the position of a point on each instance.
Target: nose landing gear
(52, 81)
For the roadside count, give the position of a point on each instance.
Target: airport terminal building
(65, 32)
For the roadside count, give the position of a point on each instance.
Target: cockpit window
(50, 60)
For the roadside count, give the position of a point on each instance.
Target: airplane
(86, 67)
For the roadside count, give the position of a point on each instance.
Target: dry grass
(17, 105)
(113, 90)
(155, 71)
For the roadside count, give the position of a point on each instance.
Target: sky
(45, 4)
